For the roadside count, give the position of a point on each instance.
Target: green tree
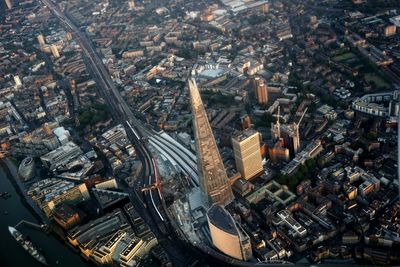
(371, 136)
(311, 164)
(265, 120)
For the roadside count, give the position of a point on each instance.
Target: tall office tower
(278, 153)
(291, 138)
(213, 178)
(246, 147)
(261, 90)
(226, 235)
(54, 51)
(9, 4)
(41, 39)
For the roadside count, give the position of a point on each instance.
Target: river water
(11, 254)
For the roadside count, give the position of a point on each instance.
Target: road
(153, 208)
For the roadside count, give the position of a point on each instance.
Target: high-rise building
(278, 152)
(246, 147)
(246, 121)
(213, 178)
(9, 4)
(291, 138)
(226, 235)
(261, 90)
(288, 134)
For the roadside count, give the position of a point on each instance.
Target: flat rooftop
(243, 135)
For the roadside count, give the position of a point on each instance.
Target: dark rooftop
(64, 212)
(219, 217)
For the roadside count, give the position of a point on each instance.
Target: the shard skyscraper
(213, 178)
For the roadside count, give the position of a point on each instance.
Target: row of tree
(304, 172)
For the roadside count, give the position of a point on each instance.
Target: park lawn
(343, 57)
(380, 83)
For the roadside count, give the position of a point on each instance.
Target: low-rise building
(61, 155)
(66, 216)
(48, 193)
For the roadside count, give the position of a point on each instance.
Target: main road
(153, 212)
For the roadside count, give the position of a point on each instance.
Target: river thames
(13, 210)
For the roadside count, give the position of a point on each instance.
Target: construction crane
(302, 116)
(151, 187)
(278, 123)
(297, 125)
